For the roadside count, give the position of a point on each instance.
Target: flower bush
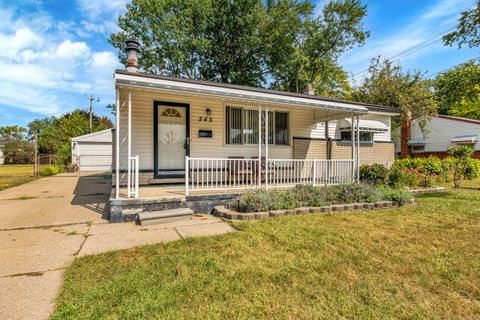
(309, 196)
(462, 165)
(375, 173)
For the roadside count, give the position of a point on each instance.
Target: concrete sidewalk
(45, 224)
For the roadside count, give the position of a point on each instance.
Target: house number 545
(205, 119)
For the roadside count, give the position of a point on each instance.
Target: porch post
(358, 148)
(129, 143)
(266, 148)
(354, 156)
(117, 147)
(187, 169)
(259, 145)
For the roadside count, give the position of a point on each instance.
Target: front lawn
(12, 175)
(414, 262)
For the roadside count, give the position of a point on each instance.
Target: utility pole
(91, 98)
(35, 154)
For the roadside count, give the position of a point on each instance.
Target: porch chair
(239, 169)
(263, 167)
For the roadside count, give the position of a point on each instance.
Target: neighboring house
(206, 134)
(3, 142)
(440, 133)
(93, 151)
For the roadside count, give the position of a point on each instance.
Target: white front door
(172, 129)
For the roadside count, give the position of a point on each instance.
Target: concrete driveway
(45, 224)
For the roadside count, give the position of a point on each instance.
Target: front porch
(208, 144)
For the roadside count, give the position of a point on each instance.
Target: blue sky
(55, 53)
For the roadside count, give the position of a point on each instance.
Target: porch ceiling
(324, 109)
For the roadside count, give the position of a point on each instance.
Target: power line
(419, 46)
(453, 67)
(415, 48)
(439, 72)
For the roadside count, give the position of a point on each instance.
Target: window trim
(371, 134)
(412, 148)
(245, 107)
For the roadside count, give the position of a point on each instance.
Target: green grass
(415, 262)
(16, 169)
(12, 175)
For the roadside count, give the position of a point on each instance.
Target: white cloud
(72, 50)
(31, 99)
(104, 59)
(12, 44)
(96, 8)
(45, 69)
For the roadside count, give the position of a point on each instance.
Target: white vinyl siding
(93, 151)
(441, 131)
(300, 124)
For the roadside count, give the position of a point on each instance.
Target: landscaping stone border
(228, 214)
(417, 192)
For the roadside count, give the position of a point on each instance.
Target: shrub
(462, 166)
(401, 195)
(395, 177)
(310, 196)
(418, 171)
(375, 174)
(50, 170)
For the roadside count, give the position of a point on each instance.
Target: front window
(418, 148)
(242, 126)
(365, 137)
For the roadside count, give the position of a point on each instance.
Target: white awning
(365, 125)
(416, 142)
(471, 138)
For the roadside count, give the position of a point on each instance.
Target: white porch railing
(220, 174)
(133, 176)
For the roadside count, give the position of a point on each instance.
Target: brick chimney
(309, 89)
(132, 49)
(405, 136)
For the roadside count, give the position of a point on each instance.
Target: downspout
(117, 148)
(329, 141)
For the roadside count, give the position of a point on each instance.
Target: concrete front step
(164, 216)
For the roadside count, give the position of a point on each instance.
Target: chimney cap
(309, 89)
(132, 44)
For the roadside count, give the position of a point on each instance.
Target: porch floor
(173, 191)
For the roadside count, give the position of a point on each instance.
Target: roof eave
(131, 80)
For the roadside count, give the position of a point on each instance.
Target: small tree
(462, 155)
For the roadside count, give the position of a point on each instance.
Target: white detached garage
(93, 151)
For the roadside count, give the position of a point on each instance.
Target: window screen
(242, 126)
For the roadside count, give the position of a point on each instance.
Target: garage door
(94, 156)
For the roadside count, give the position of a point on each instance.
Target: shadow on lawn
(93, 192)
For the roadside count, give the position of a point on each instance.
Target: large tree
(468, 30)
(252, 42)
(387, 84)
(54, 133)
(457, 90)
(316, 47)
(12, 132)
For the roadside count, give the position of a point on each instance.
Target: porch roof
(257, 95)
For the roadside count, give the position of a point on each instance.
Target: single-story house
(216, 138)
(93, 151)
(3, 142)
(439, 134)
